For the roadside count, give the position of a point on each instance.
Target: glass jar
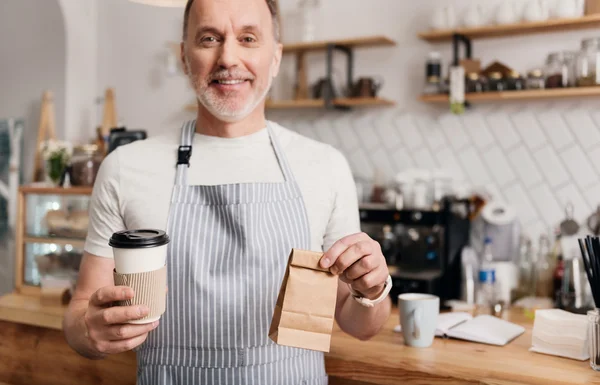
(554, 71)
(496, 82)
(569, 76)
(515, 82)
(587, 63)
(433, 73)
(475, 83)
(85, 164)
(535, 80)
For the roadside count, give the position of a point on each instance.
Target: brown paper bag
(305, 309)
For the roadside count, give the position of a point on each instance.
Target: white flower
(52, 148)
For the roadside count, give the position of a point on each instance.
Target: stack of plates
(560, 333)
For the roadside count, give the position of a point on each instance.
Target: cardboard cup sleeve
(150, 289)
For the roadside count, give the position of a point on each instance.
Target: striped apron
(226, 261)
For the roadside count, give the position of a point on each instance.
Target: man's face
(231, 55)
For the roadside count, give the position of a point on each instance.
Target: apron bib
(226, 260)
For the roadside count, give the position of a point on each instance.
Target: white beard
(219, 107)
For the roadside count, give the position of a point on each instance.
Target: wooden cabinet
(51, 228)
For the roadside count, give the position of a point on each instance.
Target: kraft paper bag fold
(305, 309)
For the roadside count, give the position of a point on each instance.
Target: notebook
(483, 329)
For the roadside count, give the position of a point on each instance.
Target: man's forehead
(212, 10)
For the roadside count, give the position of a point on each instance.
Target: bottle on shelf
(487, 277)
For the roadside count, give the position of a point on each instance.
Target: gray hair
(272, 4)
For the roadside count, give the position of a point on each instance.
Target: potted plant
(57, 155)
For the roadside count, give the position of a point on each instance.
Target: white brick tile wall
(594, 155)
(432, 132)
(382, 162)
(473, 166)
(477, 130)
(502, 129)
(529, 129)
(363, 126)
(411, 137)
(424, 159)
(516, 196)
(525, 166)
(322, 128)
(452, 127)
(558, 133)
(402, 159)
(579, 166)
(547, 205)
(550, 164)
(448, 161)
(343, 130)
(535, 158)
(592, 195)
(498, 165)
(584, 128)
(388, 134)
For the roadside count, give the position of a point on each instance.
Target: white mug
(418, 318)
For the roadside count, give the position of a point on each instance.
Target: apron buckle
(183, 155)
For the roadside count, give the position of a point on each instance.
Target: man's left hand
(358, 260)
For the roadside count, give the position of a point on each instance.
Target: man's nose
(229, 55)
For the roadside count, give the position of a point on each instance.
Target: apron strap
(281, 158)
(184, 152)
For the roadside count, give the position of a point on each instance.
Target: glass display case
(51, 229)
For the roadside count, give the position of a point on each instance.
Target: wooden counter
(386, 360)
(33, 352)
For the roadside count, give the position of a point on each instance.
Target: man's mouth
(229, 81)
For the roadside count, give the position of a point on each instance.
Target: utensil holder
(594, 336)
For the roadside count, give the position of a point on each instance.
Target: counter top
(386, 360)
(28, 310)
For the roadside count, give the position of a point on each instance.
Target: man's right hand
(107, 327)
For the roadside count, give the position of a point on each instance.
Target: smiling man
(235, 192)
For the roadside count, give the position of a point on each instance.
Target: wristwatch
(372, 302)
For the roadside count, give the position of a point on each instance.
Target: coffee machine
(422, 248)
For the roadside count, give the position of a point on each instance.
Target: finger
(109, 294)
(121, 314)
(116, 347)
(362, 266)
(330, 257)
(351, 255)
(128, 331)
(371, 282)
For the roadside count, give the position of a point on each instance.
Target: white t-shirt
(134, 185)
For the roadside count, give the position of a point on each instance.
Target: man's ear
(277, 59)
(183, 58)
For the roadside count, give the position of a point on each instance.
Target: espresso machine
(422, 248)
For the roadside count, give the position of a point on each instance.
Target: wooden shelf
(556, 25)
(371, 41)
(55, 240)
(33, 189)
(519, 95)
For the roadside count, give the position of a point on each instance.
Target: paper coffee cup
(140, 257)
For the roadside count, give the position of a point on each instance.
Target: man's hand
(107, 326)
(358, 260)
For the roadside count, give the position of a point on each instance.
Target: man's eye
(249, 39)
(209, 39)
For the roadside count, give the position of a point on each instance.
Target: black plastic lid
(136, 239)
